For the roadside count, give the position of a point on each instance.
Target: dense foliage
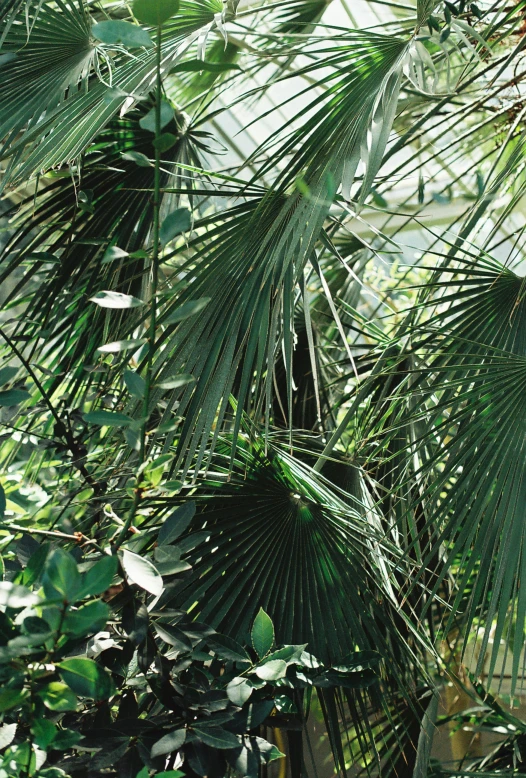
(181, 692)
(262, 367)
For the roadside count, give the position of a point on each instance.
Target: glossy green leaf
(99, 577)
(12, 698)
(43, 732)
(140, 571)
(176, 523)
(87, 619)
(228, 648)
(216, 737)
(262, 633)
(239, 690)
(168, 744)
(86, 678)
(57, 696)
(173, 636)
(61, 576)
(272, 670)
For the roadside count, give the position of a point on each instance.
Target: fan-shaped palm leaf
(467, 384)
(275, 534)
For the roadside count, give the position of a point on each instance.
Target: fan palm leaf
(467, 385)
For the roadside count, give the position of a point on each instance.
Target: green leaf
(228, 648)
(217, 737)
(168, 561)
(135, 383)
(169, 744)
(187, 309)
(121, 32)
(58, 696)
(254, 753)
(167, 114)
(61, 576)
(2, 503)
(199, 65)
(121, 345)
(99, 577)
(107, 418)
(176, 523)
(239, 690)
(12, 698)
(35, 565)
(173, 636)
(141, 572)
(89, 618)
(112, 253)
(108, 299)
(289, 654)
(43, 732)
(174, 224)
(13, 397)
(177, 381)
(7, 374)
(262, 634)
(272, 671)
(64, 740)
(155, 12)
(138, 157)
(86, 678)
(165, 141)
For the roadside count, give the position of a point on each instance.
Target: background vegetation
(262, 386)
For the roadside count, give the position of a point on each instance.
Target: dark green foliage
(137, 687)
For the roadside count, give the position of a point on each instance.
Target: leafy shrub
(100, 677)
